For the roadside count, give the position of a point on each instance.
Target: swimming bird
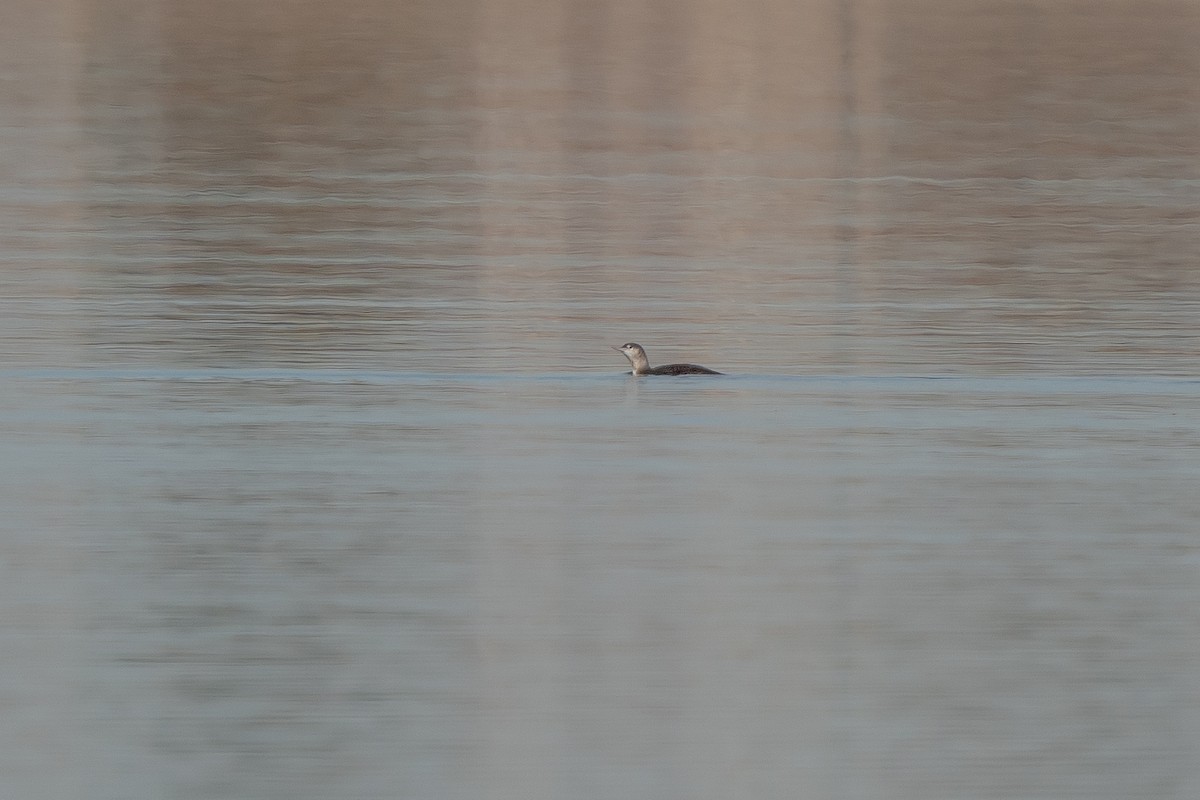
(641, 364)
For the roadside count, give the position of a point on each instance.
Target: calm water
(320, 479)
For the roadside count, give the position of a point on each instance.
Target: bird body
(641, 364)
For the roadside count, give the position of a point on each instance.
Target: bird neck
(641, 364)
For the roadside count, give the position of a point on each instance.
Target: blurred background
(320, 479)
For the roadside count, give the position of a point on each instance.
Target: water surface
(320, 478)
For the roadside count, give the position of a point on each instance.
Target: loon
(641, 364)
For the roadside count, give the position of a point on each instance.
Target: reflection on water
(320, 478)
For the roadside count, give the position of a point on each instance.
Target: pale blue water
(320, 479)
